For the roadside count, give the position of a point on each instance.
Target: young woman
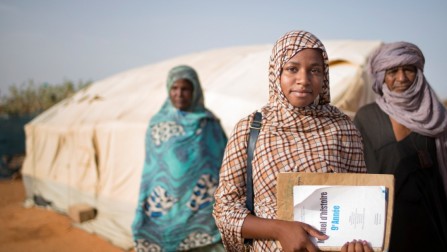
(300, 132)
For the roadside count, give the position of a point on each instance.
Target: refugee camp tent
(89, 148)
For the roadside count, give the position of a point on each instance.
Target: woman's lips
(300, 93)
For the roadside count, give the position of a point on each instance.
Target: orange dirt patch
(38, 229)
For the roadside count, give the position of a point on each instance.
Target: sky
(50, 41)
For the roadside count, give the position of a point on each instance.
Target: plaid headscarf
(315, 138)
(324, 136)
(417, 108)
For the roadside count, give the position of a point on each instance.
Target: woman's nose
(302, 78)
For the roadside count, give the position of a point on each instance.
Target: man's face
(181, 94)
(400, 78)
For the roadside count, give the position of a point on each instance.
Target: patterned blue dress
(184, 152)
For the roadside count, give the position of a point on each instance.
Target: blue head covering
(187, 73)
(184, 151)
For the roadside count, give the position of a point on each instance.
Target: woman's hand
(356, 246)
(294, 236)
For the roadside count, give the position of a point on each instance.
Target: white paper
(343, 213)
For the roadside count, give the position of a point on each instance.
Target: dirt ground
(38, 229)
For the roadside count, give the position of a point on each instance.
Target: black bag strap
(255, 127)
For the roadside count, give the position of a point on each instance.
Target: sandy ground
(40, 230)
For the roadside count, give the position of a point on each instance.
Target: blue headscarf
(184, 151)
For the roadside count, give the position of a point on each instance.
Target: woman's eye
(291, 69)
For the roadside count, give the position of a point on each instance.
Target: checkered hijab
(324, 139)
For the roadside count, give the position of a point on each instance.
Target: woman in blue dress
(184, 148)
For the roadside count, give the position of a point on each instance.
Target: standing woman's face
(181, 94)
(302, 77)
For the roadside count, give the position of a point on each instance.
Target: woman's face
(181, 94)
(302, 77)
(398, 79)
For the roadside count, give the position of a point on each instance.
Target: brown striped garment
(315, 138)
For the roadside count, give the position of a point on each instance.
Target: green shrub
(31, 99)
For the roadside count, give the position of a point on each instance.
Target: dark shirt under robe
(420, 204)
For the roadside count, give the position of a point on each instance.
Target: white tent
(90, 148)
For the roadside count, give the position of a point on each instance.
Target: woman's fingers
(356, 246)
(314, 232)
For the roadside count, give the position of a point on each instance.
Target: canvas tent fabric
(89, 149)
